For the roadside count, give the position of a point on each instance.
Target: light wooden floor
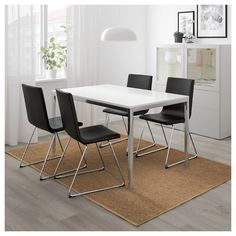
(43, 205)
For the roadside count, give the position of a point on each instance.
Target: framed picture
(212, 21)
(186, 22)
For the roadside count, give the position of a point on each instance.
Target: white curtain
(82, 53)
(20, 68)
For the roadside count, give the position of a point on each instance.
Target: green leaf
(52, 39)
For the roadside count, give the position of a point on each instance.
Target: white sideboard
(210, 67)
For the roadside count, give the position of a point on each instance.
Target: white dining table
(131, 100)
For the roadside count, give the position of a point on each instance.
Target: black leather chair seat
(123, 113)
(163, 118)
(96, 133)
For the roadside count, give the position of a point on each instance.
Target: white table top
(124, 97)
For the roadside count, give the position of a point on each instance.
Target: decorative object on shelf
(212, 21)
(188, 37)
(178, 37)
(118, 34)
(54, 56)
(186, 22)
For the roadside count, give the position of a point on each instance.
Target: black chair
(38, 117)
(134, 81)
(171, 115)
(86, 135)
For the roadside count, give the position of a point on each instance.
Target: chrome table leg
(130, 149)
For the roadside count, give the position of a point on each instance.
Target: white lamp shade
(118, 34)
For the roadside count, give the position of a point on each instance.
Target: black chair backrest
(140, 81)
(36, 107)
(68, 114)
(183, 87)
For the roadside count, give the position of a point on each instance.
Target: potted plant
(178, 37)
(188, 37)
(54, 56)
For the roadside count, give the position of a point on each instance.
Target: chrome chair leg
(194, 147)
(62, 157)
(46, 158)
(68, 173)
(117, 163)
(140, 138)
(77, 170)
(126, 129)
(23, 164)
(163, 131)
(65, 173)
(85, 162)
(59, 163)
(59, 140)
(168, 151)
(181, 161)
(84, 172)
(138, 154)
(100, 155)
(26, 148)
(119, 140)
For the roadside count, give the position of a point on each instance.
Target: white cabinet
(210, 67)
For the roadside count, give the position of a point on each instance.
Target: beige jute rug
(156, 190)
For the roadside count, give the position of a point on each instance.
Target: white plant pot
(64, 72)
(51, 74)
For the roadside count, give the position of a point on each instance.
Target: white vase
(170, 57)
(188, 40)
(51, 74)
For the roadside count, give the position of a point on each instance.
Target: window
(57, 22)
(50, 23)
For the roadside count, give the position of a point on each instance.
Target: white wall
(161, 25)
(117, 59)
